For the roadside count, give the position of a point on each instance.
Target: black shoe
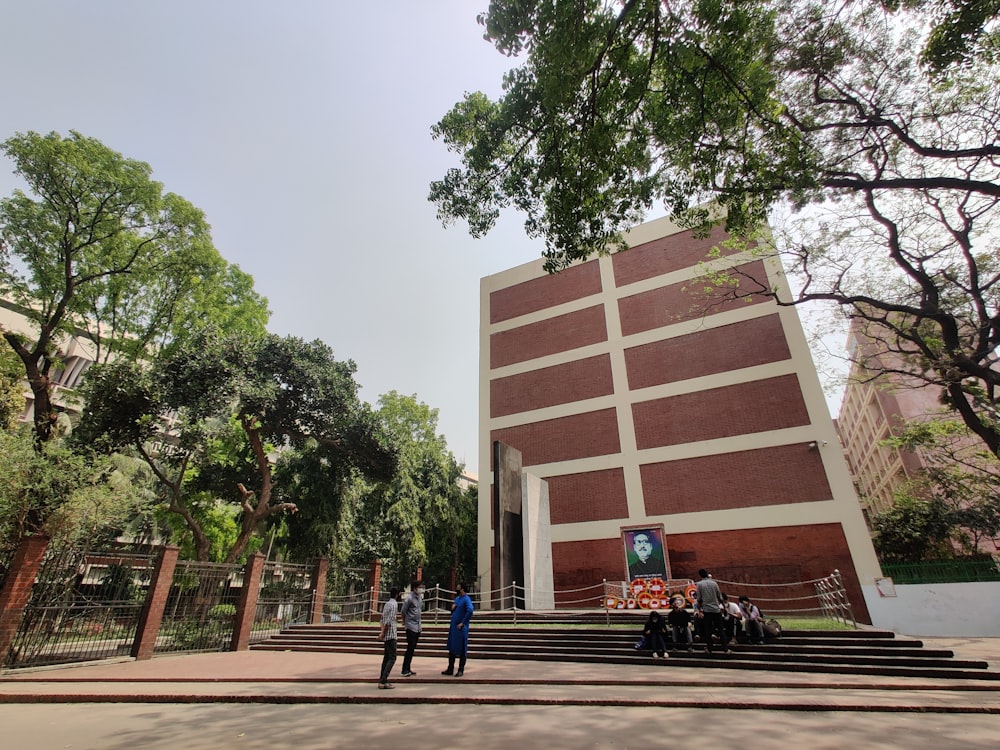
(409, 674)
(448, 672)
(459, 673)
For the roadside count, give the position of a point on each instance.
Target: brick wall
(151, 616)
(776, 555)
(588, 496)
(578, 436)
(558, 334)
(530, 296)
(751, 342)
(16, 591)
(741, 409)
(586, 562)
(246, 605)
(559, 384)
(686, 300)
(663, 255)
(742, 479)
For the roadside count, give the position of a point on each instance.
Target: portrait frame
(658, 563)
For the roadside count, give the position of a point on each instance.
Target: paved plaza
(257, 699)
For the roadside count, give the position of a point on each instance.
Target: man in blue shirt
(458, 631)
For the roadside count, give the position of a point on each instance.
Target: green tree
(959, 475)
(395, 520)
(321, 484)
(962, 31)
(11, 388)
(452, 541)
(234, 401)
(755, 105)
(914, 529)
(63, 495)
(99, 250)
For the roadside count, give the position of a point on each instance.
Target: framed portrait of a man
(645, 553)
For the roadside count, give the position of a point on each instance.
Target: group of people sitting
(679, 629)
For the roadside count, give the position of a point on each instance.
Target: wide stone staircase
(600, 639)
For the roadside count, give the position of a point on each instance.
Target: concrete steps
(860, 652)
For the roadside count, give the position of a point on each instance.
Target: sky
(302, 130)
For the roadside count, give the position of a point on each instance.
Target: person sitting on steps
(655, 634)
(680, 623)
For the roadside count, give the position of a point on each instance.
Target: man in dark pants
(387, 634)
(709, 609)
(458, 631)
(411, 622)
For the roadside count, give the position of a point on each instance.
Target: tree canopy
(233, 401)
(98, 250)
(62, 494)
(396, 520)
(959, 483)
(723, 110)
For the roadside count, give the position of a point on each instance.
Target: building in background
(642, 405)
(872, 410)
(467, 480)
(75, 355)
(879, 401)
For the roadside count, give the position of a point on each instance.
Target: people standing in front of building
(411, 623)
(387, 634)
(709, 610)
(458, 631)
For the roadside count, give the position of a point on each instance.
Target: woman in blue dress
(458, 631)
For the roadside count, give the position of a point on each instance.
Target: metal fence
(286, 597)
(822, 598)
(85, 605)
(943, 571)
(201, 608)
(349, 595)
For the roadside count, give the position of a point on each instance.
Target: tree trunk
(38, 381)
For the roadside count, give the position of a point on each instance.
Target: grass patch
(813, 623)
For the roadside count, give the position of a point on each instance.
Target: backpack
(772, 628)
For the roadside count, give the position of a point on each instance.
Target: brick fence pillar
(246, 608)
(17, 587)
(376, 579)
(151, 616)
(320, 569)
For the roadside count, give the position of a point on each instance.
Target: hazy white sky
(302, 130)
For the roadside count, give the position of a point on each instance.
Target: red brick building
(640, 402)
